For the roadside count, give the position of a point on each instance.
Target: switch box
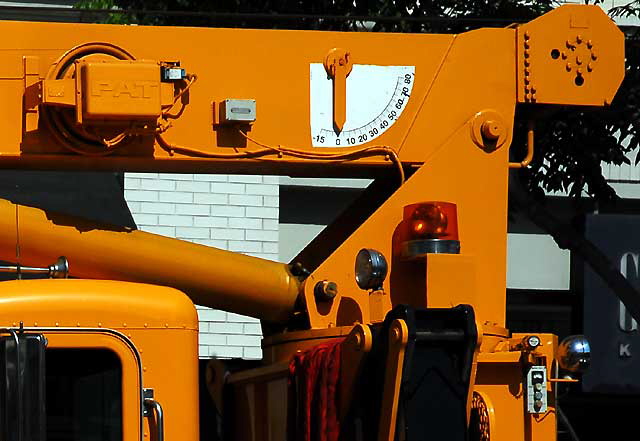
(536, 393)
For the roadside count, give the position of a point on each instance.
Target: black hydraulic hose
(567, 424)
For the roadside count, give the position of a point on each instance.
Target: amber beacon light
(430, 227)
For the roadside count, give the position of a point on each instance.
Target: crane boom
(95, 97)
(407, 289)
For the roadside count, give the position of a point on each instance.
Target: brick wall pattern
(236, 213)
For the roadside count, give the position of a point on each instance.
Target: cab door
(93, 381)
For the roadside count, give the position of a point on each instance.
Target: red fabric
(314, 377)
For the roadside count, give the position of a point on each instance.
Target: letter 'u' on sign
(631, 271)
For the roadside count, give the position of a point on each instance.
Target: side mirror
(22, 394)
(574, 354)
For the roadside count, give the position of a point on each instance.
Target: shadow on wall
(93, 196)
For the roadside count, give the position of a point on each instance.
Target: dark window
(84, 395)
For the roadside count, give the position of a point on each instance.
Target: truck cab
(108, 347)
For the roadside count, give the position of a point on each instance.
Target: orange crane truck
(388, 326)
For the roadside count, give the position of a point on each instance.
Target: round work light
(370, 269)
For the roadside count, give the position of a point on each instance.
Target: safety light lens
(370, 269)
(429, 228)
(432, 220)
(428, 221)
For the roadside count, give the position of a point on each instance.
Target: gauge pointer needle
(338, 66)
(339, 100)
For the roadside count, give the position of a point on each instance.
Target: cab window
(83, 395)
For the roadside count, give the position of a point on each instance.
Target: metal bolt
(589, 67)
(325, 290)
(569, 67)
(594, 55)
(578, 60)
(527, 35)
(527, 72)
(578, 38)
(527, 63)
(589, 44)
(579, 71)
(526, 45)
(526, 81)
(491, 130)
(564, 55)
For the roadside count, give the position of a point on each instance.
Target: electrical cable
(61, 130)
(375, 150)
(191, 78)
(565, 421)
(280, 150)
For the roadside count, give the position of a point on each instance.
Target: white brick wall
(237, 213)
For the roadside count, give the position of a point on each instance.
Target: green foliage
(110, 18)
(630, 9)
(571, 143)
(213, 13)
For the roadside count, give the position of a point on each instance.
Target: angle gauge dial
(374, 98)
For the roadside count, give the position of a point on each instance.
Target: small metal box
(237, 111)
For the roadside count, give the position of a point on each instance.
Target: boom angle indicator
(376, 96)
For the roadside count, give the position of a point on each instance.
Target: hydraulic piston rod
(209, 276)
